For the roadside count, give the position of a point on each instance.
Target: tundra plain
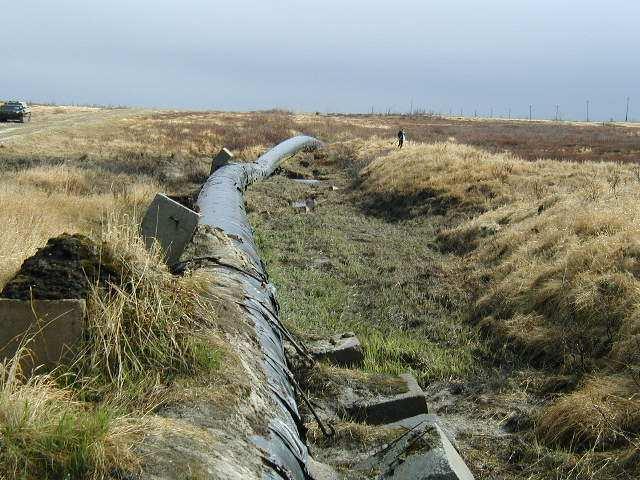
(498, 261)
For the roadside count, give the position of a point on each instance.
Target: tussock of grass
(468, 176)
(141, 336)
(150, 328)
(604, 413)
(46, 432)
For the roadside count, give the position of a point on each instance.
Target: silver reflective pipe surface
(221, 205)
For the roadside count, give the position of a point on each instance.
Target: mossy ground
(341, 269)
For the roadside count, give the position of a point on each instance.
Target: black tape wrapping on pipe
(221, 205)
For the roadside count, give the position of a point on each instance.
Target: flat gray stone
(170, 224)
(340, 350)
(223, 157)
(49, 328)
(307, 181)
(387, 409)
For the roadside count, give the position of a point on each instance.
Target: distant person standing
(401, 138)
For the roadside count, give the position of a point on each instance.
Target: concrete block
(386, 409)
(170, 224)
(439, 462)
(342, 350)
(223, 157)
(51, 327)
(426, 453)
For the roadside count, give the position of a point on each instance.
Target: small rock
(456, 388)
(323, 263)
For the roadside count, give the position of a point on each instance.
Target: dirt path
(54, 119)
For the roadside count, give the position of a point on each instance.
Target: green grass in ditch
(340, 269)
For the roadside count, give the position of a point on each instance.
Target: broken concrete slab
(306, 206)
(308, 181)
(422, 420)
(344, 350)
(223, 157)
(170, 224)
(48, 328)
(423, 452)
(385, 409)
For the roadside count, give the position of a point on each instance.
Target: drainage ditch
(219, 238)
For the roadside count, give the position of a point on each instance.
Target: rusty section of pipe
(222, 208)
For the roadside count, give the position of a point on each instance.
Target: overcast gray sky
(331, 55)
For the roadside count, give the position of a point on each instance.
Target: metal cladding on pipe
(221, 205)
(221, 200)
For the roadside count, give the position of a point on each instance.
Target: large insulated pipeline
(221, 206)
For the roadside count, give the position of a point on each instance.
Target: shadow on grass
(395, 207)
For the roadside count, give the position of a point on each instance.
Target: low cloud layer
(329, 56)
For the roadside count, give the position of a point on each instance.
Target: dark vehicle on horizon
(17, 111)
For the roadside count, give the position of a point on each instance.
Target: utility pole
(530, 110)
(461, 112)
(626, 115)
(475, 114)
(557, 109)
(509, 113)
(411, 109)
(491, 112)
(587, 110)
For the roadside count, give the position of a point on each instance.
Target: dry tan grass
(148, 329)
(556, 281)
(46, 430)
(43, 202)
(605, 412)
(556, 250)
(150, 340)
(142, 335)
